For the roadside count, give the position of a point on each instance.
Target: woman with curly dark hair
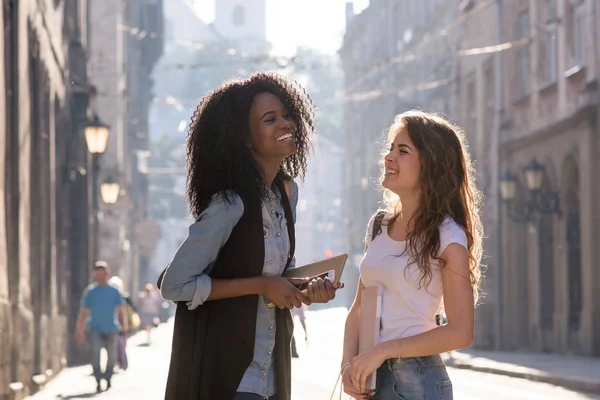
(423, 251)
(248, 139)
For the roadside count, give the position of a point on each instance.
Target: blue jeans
(98, 340)
(418, 378)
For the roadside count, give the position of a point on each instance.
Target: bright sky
(318, 24)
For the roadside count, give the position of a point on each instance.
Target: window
(577, 21)
(523, 55)
(548, 42)
(239, 15)
(490, 102)
(483, 160)
(11, 148)
(471, 117)
(580, 35)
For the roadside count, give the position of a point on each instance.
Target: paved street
(471, 385)
(315, 371)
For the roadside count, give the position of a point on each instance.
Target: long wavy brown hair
(447, 189)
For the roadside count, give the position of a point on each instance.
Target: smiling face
(272, 129)
(402, 164)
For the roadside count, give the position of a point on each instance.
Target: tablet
(335, 263)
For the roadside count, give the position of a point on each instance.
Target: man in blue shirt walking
(100, 305)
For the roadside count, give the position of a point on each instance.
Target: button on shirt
(186, 277)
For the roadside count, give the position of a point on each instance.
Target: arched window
(239, 15)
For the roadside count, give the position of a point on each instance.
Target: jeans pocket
(445, 390)
(408, 380)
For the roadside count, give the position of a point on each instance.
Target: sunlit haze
(318, 24)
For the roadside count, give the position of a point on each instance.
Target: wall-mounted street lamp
(110, 191)
(96, 135)
(538, 199)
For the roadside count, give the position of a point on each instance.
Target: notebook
(370, 323)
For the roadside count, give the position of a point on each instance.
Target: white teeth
(284, 137)
(391, 172)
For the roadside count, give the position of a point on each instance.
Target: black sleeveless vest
(213, 345)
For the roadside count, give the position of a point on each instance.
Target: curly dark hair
(448, 188)
(218, 156)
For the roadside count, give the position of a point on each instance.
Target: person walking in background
(102, 312)
(423, 250)
(149, 305)
(133, 322)
(299, 312)
(247, 141)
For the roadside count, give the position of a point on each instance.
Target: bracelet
(400, 349)
(344, 367)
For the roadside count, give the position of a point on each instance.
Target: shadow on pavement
(77, 396)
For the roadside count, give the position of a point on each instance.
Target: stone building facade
(529, 92)
(43, 161)
(549, 269)
(49, 199)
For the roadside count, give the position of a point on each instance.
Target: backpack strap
(375, 229)
(377, 224)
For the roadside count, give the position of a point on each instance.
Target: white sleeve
(451, 232)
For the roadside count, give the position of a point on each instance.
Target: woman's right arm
(185, 278)
(353, 318)
(352, 327)
(351, 337)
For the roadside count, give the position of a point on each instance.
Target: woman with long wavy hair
(424, 250)
(247, 141)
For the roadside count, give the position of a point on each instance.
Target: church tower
(241, 19)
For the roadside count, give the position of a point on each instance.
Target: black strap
(377, 224)
(440, 319)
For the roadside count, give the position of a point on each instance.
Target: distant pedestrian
(149, 306)
(423, 251)
(299, 311)
(122, 360)
(100, 305)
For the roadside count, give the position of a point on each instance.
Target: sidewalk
(144, 379)
(146, 376)
(572, 372)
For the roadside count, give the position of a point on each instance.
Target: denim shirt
(186, 277)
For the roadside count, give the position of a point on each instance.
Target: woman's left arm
(456, 334)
